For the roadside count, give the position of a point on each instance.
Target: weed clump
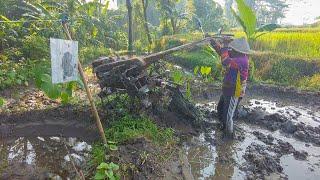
(130, 127)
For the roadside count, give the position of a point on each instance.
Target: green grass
(130, 127)
(286, 70)
(310, 83)
(125, 129)
(98, 154)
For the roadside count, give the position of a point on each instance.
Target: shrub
(12, 54)
(15, 73)
(283, 69)
(35, 47)
(90, 53)
(167, 43)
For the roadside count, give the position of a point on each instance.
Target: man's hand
(215, 43)
(226, 41)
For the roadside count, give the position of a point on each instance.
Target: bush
(15, 73)
(283, 69)
(35, 47)
(13, 54)
(91, 53)
(167, 43)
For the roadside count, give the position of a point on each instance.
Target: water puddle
(212, 157)
(217, 158)
(296, 169)
(296, 114)
(46, 157)
(223, 159)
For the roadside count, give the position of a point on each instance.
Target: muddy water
(211, 156)
(42, 157)
(294, 113)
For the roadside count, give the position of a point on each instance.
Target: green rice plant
(300, 44)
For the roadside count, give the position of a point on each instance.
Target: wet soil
(42, 157)
(141, 159)
(277, 137)
(60, 121)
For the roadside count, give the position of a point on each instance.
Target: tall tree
(145, 4)
(268, 11)
(169, 15)
(210, 13)
(130, 24)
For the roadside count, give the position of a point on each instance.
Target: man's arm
(223, 51)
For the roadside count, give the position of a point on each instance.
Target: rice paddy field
(286, 56)
(296, 43)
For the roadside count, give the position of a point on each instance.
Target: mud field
(277, 137)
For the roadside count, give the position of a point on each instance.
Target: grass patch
(286, 70)
(310, 83)
(98, 155)
(130, 127)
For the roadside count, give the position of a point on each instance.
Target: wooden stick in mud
(93, 106)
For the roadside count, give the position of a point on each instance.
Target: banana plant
(248, 20)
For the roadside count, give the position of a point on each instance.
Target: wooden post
(93, 106)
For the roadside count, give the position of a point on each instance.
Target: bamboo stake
(93, 106)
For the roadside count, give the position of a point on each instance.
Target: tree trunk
(145, 6)
(173, 24)
(130, 34)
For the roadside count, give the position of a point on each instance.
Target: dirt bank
(60, 121)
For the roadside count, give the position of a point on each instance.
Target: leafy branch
(248, 20)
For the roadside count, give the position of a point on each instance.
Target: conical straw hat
(241, 45)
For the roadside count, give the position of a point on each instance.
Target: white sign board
(64, 60)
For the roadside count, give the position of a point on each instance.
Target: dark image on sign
(64, 58)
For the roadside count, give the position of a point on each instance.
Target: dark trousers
(227, 108)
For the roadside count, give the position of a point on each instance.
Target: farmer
(234, 57)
